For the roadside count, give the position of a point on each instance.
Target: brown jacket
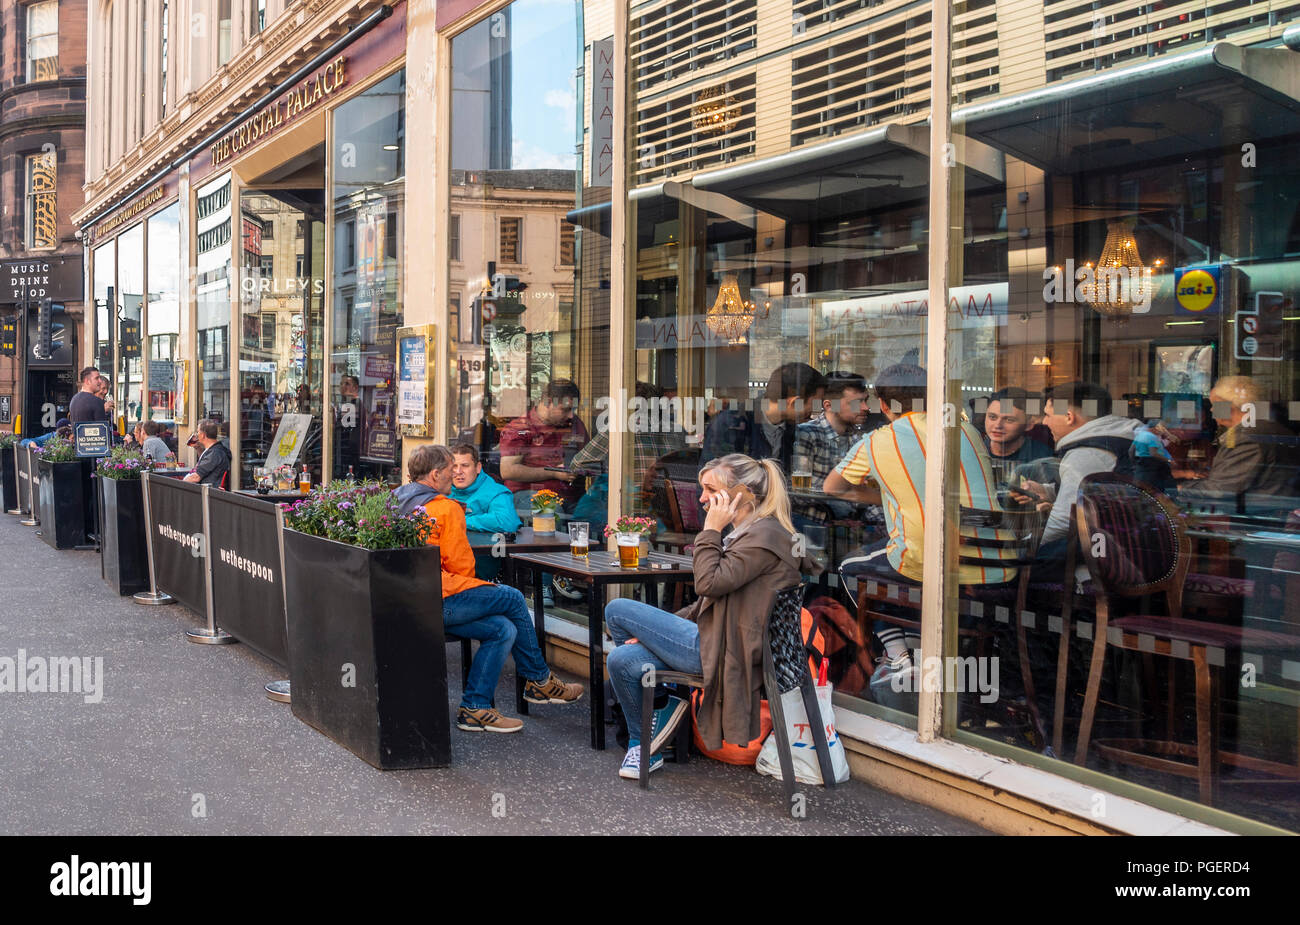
(737, 587)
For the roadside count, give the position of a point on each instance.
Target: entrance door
(281, 360)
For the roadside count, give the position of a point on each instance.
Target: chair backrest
(683, 498)
(784, 634)
(1132, 538)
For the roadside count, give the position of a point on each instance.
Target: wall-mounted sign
(150, 197)
(602, 113)
(1196, 290)
(415, 345)
(33, 279)
(6, 409)
(1259, 332)
(283, 109)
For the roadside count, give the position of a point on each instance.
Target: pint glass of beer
(629, 550)
(579, 538)
(801, 475)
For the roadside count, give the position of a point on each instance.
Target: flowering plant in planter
(362, 514)
(124, 462)
(8, 440)
(644, 526)
(56, 450)
(545, 502)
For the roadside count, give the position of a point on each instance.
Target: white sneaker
(631, 767)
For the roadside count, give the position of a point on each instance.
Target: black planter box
(8, 480)
(379, 611)
(124, 561)
(62, 498)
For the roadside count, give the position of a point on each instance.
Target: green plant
(545, 502)
(57, 450)
(124, 462)
(8, 440)
(363, 514)
(629, 524)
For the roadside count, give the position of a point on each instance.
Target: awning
(1218, 96)
(596, 217)
(867, 171)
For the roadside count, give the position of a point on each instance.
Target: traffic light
(9, 335)
(129, 338)
(45, 329)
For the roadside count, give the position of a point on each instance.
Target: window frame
(518, 257)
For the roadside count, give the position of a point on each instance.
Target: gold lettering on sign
(327, 81)
(129, 212)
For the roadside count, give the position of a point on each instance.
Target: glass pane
(129, 371)
(369, 208)
(532, 344)
(1137, 392)
(213, 298)
(163, 318)
(280, 378)
(105, 303)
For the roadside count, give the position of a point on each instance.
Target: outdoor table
(272, 497)
(599, 569)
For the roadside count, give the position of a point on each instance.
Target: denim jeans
(499, 619)
(664, 640)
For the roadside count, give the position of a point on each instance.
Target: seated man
(542, 438)
(1089, 439)
(494, 615)
(894, 457)
(1006, 433)
(213, 465)
(794, 394)
(489, 506)
(1257, 466)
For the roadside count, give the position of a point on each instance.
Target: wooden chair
(785, 667)
(1134, 542)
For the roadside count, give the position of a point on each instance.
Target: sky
(544, 85)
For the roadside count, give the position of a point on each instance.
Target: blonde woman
(720, 636)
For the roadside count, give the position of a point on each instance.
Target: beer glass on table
(579, 539)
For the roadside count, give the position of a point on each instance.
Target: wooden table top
(525, 541)
(603, 564)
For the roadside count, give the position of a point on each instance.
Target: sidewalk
(179, 720)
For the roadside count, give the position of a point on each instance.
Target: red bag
(747, 755)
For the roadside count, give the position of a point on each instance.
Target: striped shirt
(894, 457)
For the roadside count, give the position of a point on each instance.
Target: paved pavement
(184, 741)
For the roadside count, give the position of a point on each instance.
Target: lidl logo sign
(1197, 290)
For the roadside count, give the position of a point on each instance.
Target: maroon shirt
(542, 445)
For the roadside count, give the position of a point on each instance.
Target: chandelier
(730, 316)
(1120, 281)
(713, 111)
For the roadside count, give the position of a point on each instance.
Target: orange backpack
(748, 754)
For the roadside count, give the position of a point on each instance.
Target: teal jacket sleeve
(500, 516)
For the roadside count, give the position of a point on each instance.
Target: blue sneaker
(631, 767)
(663, 722)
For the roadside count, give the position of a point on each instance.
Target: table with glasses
(597, 570)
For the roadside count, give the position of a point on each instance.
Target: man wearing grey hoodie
(1079, 417)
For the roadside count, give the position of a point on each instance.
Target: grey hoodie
(1077, 464)
(413, 495)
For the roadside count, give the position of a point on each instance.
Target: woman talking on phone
(720, 636)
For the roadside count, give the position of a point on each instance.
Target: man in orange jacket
(493, 614)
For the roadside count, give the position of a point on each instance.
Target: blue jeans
(664, 640)
(499, 619)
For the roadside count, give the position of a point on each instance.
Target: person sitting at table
(154, 446)
(719, 636)
(794, 394)
(540, 439)
(1006, 433)
(489, 506)
(213, 465)
(1256, 468)
(894, 457)
(495, 615)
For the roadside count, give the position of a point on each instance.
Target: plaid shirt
(646, 448)
(823, 447)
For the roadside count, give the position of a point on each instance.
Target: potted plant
(628, 532)
(124, 561)
(545, 505)
(363, 595)
(8, 471)
(62, 494)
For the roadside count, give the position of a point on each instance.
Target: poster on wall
(289, 439)
(414, 346)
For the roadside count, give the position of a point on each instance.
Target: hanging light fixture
(730, 316)
(1120, 281)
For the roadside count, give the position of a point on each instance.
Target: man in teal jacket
(489, 505)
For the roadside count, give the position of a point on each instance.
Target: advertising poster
(412, 382)
(289, 439)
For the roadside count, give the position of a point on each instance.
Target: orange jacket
(449, 535)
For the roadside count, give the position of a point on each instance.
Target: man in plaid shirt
(827, 439)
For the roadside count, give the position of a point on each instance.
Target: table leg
(652, 593)
(521, 705)
(539, 621)
(596, 653)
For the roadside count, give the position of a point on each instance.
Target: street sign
(1259, 332)
(92, 439)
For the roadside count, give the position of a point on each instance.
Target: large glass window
(532, 347)
(213, 299)
(42, 225)
(43, 41)
(163, 313)
(129, 374)
(105, 304)
(369, 205)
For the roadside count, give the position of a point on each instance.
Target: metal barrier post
(32, 519)
(211, 635)
(279, 690)
(153, 595)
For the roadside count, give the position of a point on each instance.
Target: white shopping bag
(803, 749)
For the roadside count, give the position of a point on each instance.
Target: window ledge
(1049, 790)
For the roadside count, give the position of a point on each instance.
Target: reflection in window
(509, 248)
(42, 193)
(42, 41)
(213, 297)
(163, 313)
(129, 376)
